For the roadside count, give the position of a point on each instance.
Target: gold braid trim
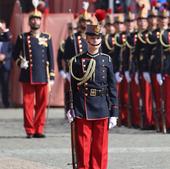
(107, 43)
(87, 75)
(91, 73)
(161, 40)
(128, 45)
(116, 42)
(150, 42)
(140, 37)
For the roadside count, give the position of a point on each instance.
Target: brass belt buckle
(92, 92)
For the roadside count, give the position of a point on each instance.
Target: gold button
(86, 94)
(86, 88)
(30, 50)
(31, 65)
(86, 84)
(84, 65)
(80, 45)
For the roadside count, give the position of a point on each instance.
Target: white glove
(118, 77)
(146, 76)
(137, 78)
(127, 76)
(62, 74)
(24, 64)
(70, 115)
(112, 122)
(51, 82)
(159, 79)
(68, 76)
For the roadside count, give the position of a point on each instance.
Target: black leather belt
(93, 92)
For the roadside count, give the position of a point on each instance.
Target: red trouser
(123, 101)
(34, 121)
(166, 85)
(91, 143)
(157, 98)
(135, 94)
(145, 91)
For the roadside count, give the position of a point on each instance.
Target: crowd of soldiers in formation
(140, 52)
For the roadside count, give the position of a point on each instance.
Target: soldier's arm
(17, 50)
(112, 90)
(60, 58)
(50, 59)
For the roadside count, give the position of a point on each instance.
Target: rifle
(73, 135)
(162, 95)
(130, 94)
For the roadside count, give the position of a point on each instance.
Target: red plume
(100, 14)
(154, 3)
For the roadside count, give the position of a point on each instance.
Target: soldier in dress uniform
(74, 45)
(63, 67)
(163, 67)
(152, 40)
(142, 77)
(34, 55)
(93, 81)
(130, 70)
(118, 57)
(108, 38)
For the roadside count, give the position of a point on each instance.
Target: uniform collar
(93, 55)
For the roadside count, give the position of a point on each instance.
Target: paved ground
(128, 148)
